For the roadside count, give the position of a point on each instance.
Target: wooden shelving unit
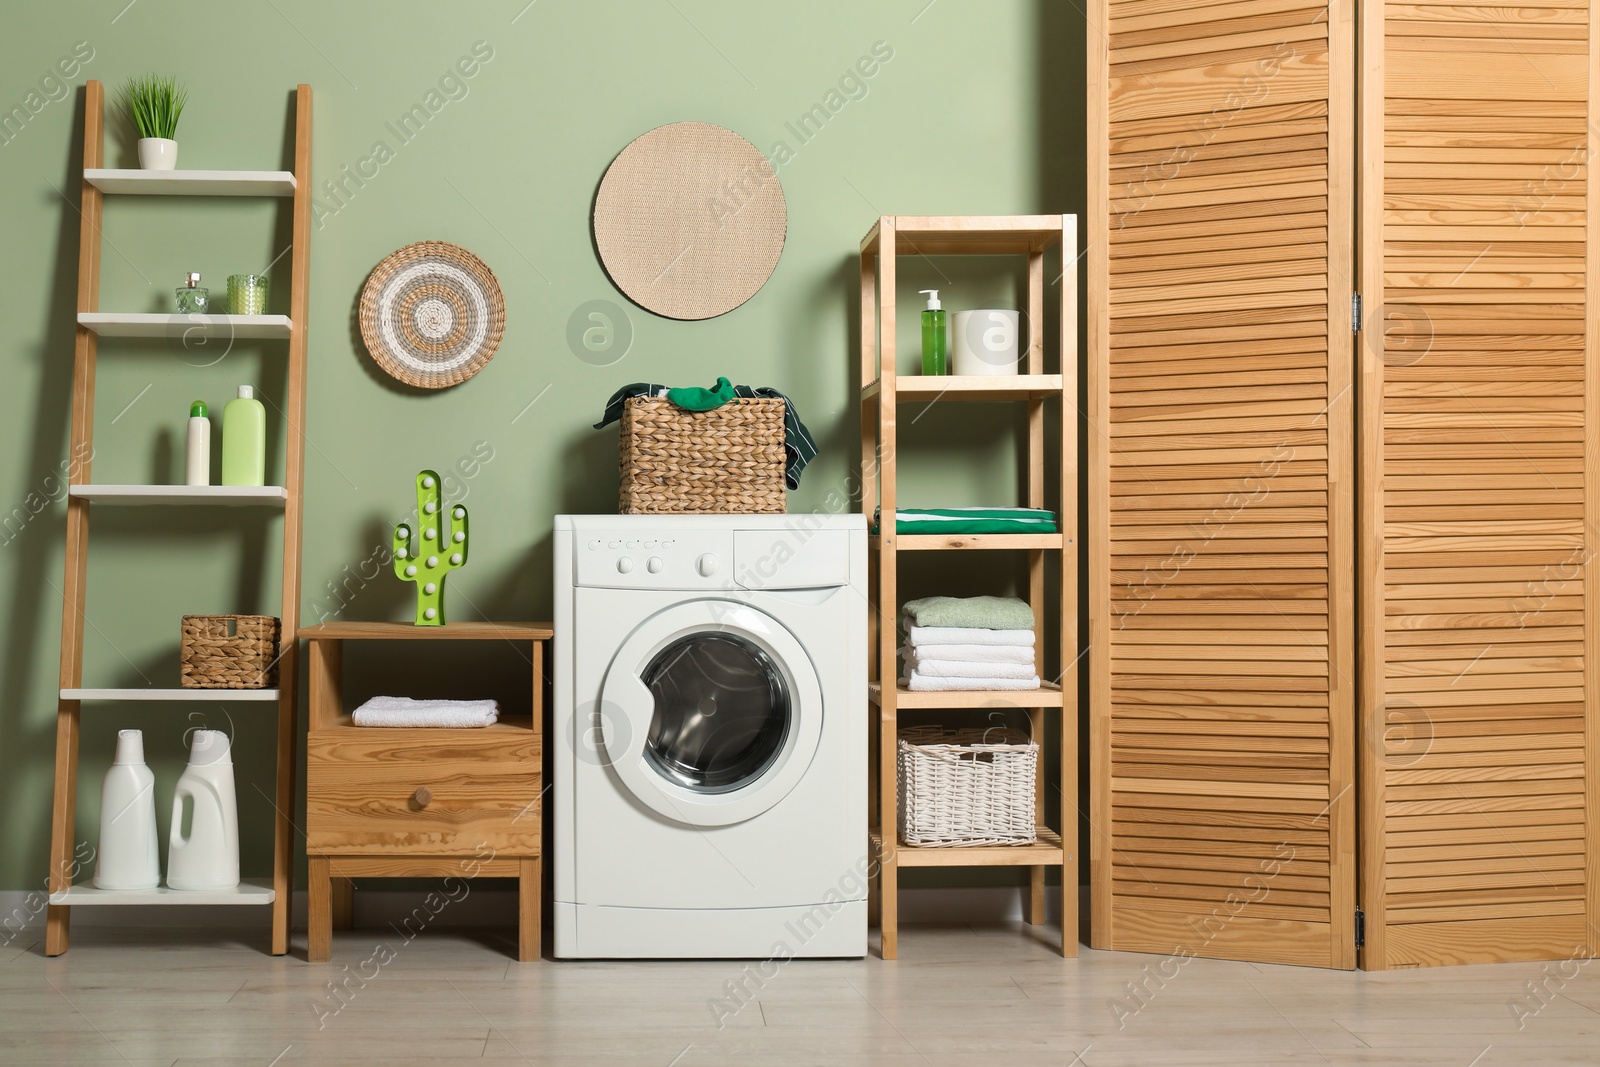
(93, 324)
(881, 391)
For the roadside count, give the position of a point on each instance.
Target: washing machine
(709, 731)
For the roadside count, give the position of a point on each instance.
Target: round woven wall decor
(432, 314)
(690, 220)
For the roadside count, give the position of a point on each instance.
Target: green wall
(975, 113)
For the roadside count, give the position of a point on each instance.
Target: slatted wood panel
(1221, 170)
(1479, 500)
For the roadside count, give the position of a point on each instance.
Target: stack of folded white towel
(998, 655)
(404, 711)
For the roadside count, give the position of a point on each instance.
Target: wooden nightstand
(433, 803)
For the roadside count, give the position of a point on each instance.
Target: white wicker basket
(967, 787)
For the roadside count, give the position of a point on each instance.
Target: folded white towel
(922, 683)
(973, 653)
(404, 711)
(955, 668)
(966, 635)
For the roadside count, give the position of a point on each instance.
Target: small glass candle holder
(247, 294)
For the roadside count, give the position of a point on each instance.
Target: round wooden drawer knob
(422, 796)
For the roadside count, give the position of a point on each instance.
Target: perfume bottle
(193, 298)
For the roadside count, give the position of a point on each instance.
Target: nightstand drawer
(375, 792)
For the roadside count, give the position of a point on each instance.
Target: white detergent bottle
(207, 857)
(129, 855)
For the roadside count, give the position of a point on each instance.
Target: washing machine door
(710, 712)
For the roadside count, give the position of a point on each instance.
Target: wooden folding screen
(1221, 545)
(1480, 790)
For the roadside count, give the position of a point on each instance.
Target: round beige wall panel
(690, 220)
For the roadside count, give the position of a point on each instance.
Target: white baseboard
(22, 913)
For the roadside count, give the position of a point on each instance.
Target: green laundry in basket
(693, 398)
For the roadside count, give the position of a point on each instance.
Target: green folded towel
(980, 612)
(972, 521)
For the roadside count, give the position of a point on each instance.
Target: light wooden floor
(993, 996)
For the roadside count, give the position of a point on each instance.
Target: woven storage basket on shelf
(967, 787)
(228, 652)
(727, 461)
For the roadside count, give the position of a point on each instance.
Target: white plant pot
(158, 153)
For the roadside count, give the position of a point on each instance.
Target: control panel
(708, 559)
(663, 561)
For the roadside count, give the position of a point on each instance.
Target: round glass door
(711, 712)
(722, 712)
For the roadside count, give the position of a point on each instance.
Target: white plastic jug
(208, 856)
(129, 855)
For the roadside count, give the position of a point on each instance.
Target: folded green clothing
(980, 612)
(972, 521)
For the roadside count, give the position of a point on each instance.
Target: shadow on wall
(1063, 186)
(28, 742)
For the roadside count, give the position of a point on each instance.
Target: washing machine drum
(710, 713)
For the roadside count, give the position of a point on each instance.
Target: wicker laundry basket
(967, 787)
(726, 461)
(228, 652)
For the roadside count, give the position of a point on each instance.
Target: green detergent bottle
(934, 348)
(244, 440)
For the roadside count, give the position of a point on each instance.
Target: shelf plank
(1046, 851)
(248, 891)
(192, 182)
(522, 724)
(143, 324)
(222, 495)
(405, 631)
(184, 695)
(971, 542)
(917, 388)
(983, 235)
(1048, 695)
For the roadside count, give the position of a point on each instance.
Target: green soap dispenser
(934, 335)
(244, 440)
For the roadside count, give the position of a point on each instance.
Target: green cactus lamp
(441, 549)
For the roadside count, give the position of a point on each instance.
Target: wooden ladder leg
(319, 921)
(58, 916)
(530, 878)
(283, 829)
(63, 821)
(293, 470)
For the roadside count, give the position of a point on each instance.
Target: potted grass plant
(153, 104)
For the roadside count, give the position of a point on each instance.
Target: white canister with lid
(985, 342)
